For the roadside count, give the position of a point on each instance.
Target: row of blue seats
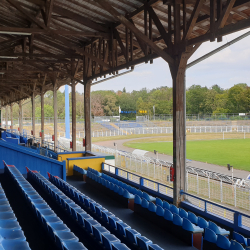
(117, 186)
(11, 234)
(79, 170)
(121, 229)
(196, 220)
(168, 215)
(84, 220)
(54, 226)
(213, 241)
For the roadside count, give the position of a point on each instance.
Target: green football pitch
(219, 152)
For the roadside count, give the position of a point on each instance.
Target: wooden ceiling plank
(26, 14)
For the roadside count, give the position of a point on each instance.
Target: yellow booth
(84, 160)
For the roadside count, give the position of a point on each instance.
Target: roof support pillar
(87, 115)
(11, 116)
(20, 117)
(33, 115)
(6, 116)
(73, 99)
(179, 127)
(42, 117)
(55, 114)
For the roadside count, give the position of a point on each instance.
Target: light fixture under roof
(15, 33)
(9, 57)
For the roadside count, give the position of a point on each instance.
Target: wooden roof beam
(109, 8)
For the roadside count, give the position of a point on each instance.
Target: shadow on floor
(146, 228)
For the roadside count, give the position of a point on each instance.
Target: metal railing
(159, 189)
(225, 131)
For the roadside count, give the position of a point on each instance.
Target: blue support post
(67, 123)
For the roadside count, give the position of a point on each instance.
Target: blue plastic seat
(218, 230)
(139, 193)
(8, 224)
(113, 220)
(121, 226)
(14, 245)
(116, 189)
(8, 216)
(177, 220)
(144, 203)
(109, 240)
(121, 190)
(240, 238)
(6, 208)
(236, 246)
(9, 234)
(152, 207)
(202, 222)
(105, 216)
(210, 235)
(81, 217)
(166, 205)
(148, 197)
(143, 242)
(159, 211)
(137, 199)
(128, 195)
(223, 242)
(183, 213)
(154, 247)
(119, 246)
(98, 231)
(193, 218)
(174, 209)
(59, 227)
(168, 215)
(159, 202)
(132, 235)
(188, 226)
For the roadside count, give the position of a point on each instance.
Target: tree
(195, 99)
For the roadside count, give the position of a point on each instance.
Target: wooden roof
(48, 41)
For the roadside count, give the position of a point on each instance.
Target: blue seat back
(236, 246)
(159, 210)
(137, 199)
(144, 203)
(174, 209)
(159, 202)
(168, 215)
(210, 235)
(223, 242)
(193, 218)
(202, 223)
(152, 207)
(177, 220)
(187, 225)
(166, 205)
(131, 235)
(240, 238)
(183, 213)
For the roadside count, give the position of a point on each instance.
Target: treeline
(200, 100)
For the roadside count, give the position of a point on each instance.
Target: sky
(227, 68)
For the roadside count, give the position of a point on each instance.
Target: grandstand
(107, 208)
(53, 198)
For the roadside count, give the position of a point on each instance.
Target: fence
(169, 130)
(217, 187)
(162, 190)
